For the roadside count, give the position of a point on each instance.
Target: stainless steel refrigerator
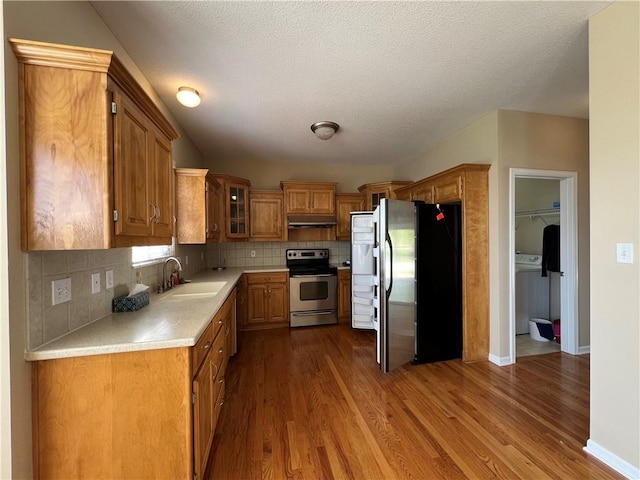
(418, 299)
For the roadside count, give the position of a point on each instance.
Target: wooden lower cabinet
(344, 296)
(267, 300)
(132, 415)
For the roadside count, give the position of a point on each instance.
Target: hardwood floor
(311, 403)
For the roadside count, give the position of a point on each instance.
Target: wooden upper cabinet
(266, 213)
(235, 207)
(197, 206)
(374, 192)
(309, 197)
(95, 152)
(345, 204)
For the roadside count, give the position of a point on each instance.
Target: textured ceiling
(397, 76)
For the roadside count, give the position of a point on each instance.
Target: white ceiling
(397, 76)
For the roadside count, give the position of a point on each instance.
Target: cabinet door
(266, 218)
(133, 196)
(214, 217)
(278, 303)
(424, 193)
(298, 200)
(448, 189)
(237, 221)
(322, 201)
(161, 175)
(257, 304)
(344, 295)
(203, 426)
(345, 204)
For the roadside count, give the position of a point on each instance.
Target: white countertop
(165, 323)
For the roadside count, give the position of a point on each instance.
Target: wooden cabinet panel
(81, 160)
(162, 183)
(266, 213)
(203, 412)
(309, 197)
(202, 347)
(374, 192)
(197, 206)
(448, 189)
(344, 295)
(133, 196)
(278, 307)
(345, 204)
(86, 407)
(267, 300)
(214, 201)
(235, 207)
(257, 304)
(424, 193)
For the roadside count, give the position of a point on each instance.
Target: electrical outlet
(108, 282)
(95, 283)
(60, 291)
(253, 254)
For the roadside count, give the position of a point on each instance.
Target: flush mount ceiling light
(324, 130)
(189, 97)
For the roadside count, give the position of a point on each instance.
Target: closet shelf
(543, 212)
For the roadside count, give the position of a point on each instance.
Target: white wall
(614, 108)
(544, 142)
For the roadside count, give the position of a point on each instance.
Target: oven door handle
(314, 275)
(314, 312)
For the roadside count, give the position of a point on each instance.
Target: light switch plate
(624, 252)
(95, 283)
(108, 281)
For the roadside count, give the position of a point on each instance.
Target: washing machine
(532, 291)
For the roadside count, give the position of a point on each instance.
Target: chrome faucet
(168, 284)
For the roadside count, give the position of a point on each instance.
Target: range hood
(311, 221)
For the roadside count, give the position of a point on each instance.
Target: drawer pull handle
(206, 345)
(221, 350)
(221, 380)
(215, 374)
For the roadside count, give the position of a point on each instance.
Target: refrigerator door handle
(390, 275)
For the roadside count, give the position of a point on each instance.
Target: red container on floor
(556, 330)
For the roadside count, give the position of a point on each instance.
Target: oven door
(313, 292)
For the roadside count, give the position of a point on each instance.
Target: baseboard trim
(584, 350)
(615, 462)
(500, 361)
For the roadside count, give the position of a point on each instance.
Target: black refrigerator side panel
(439, 287)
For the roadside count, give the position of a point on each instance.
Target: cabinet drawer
(202, 346)
(219, 392)
(218, 355)
(344, 274)
(278, 277)
(218, 322)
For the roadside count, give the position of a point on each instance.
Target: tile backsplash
(48, 322)
(239, 254)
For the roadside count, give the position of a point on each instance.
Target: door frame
(568, 254)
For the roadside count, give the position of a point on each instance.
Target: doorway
(568, 302)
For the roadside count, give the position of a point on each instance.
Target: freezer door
(362, 271)
(397, 250)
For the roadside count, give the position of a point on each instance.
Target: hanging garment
(550, 249)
